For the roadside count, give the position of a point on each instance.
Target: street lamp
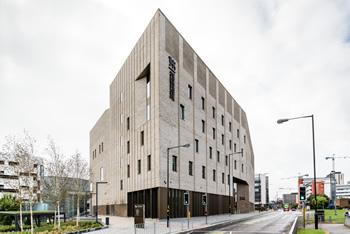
(167, 180)
(280, 121)
(97, 183)
(229, 171)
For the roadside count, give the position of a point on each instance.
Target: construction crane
(294, 177)
(333, 182)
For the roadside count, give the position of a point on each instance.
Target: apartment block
(165, 96)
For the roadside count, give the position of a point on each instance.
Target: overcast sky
(277, 58)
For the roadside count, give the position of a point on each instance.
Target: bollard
(107, 221)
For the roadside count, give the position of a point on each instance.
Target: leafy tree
(322, 201)
(8, 203)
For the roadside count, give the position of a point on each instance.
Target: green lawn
(339, 218)
(310, 231)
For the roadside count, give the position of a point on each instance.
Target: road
(271, 223)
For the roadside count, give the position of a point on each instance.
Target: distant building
(290, 198)
(343, 202)
(310, 188)
(343, 190)
(261, 190)
(13, 180)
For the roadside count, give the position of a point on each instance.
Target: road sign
(302, 193)
(186, 198)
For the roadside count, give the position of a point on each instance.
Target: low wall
(347, 221)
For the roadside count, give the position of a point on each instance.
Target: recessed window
(197, 145)
(190, 92)
(203, 126)
(99, 149)
(242, 167)
(228, 179)
(214, 174)
(128, 171)
(121, 184)
(213, 110)
(190, 168)
(174, 163)
(235, 165)
(237, 133)
(142, 137)
(139, 166)
(222, 139)
(102, 147)
(230, 126)
(235, 147)
(226, 160)
(242, 152)
(128, 123)
(128, 147)
(148, 87)
(214, 133)
(182, 111)
(102, 175)
(223, 178)
(210, 152)
(244, 139)
(149, 162)
(230, 144)
(148, 112)
(203, 103)
(222, 120)
(218, 156)
(203, 172)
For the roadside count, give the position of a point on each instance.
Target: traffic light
(186, 198)
(204, 199)
(302, 194)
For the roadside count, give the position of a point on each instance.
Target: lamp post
(280, 121)
(96, 211)
(167, 180)
(229, 184)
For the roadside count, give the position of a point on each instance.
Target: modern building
(261, 186)
(165, 96)
(309, 185)
(18, 182)
(343, 190)
(290, 198)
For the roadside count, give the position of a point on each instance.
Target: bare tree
(55, 183)
(20, 152)
(79, 171)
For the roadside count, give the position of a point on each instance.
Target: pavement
(125, 225)
(335, 228)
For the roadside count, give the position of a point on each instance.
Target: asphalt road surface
(271, 223)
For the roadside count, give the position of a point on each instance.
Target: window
(203, 126)
(174, 163)
(228, 179)
(210, 152)
(128, 123)
(214, 133)
(190, 92)
(139, 166)
(102, 176)
(190, 168)
(235, 164)
(213, 112)
(142, 137)
(182, 111)
(197, 145)
(230, 144)
(222, 120)
(234, 147)
(99, 149)
(172, 84)
(128, 147)
(128, 171)
(102, 147)
(148, 112)
(226, 160)
(148, 87)
(149, 162)
(237, 133)
(230, 126)
(218, 156)
(222, 139)
(214, 175)
(244, 139)
(203, 172)
(121, 184)
(242, 152)
(242, 167)
(203, 103)
(223, 178)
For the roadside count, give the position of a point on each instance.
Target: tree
(8, 203)
(21, 152)
(322, 201)
(79, 171)
(55, 183)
